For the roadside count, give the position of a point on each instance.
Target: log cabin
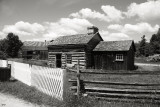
(91, 51)
(65, 51)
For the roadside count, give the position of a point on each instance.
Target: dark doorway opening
(58, 60)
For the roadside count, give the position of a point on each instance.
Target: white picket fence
(48, 80)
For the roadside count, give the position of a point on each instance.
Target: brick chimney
(92, 30)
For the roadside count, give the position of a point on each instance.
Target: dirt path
(11, 101)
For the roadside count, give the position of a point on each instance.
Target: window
(119, 57)
(69, 58)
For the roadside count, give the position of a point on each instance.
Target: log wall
(81, 56)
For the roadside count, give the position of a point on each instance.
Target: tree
(155, 43)
(13, 45)
(142, 46)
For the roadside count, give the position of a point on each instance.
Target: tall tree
(142, 45)
(155, 43)
(14, 45)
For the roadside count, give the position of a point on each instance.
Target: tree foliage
(142, 45)
(155, 43)
(153, 47)
(11, 45)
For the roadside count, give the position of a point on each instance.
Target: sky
(40, 20)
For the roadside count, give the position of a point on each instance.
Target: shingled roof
(35, 45)
(73, 39)
(114, 45)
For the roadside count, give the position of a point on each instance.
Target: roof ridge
(117, 41)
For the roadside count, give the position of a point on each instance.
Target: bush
(154, 58)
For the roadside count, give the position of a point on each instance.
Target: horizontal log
(75, 60)
(78, 58)
(122, 73)
(115, 83)
(128, 100)
(129, 96)
(78, 55)
(114, 90)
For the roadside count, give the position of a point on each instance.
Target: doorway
(58, 60)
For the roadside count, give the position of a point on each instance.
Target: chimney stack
(92, 30)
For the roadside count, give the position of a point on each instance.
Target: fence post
(78, 81)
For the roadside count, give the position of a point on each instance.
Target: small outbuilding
(35, 50)
(114, 55)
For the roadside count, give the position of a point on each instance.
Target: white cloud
(66, 26)
(145, 11)
(139, 28)
(110, 14)
(103, 33)
(47, 30)
(115, 27)
(107, 36)
(88, 13)
(23, 29)
(116, 36)
(2, 35)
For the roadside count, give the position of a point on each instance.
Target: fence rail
(115, 90)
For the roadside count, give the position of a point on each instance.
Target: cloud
(107, 36)
(1, 35)
(139, 28)
(145, 11)
(24, 29)
(110, 14)
(115, 27)
(116, 36)
(66, 26)
(47, 30)
(104, 32)
(88, 13)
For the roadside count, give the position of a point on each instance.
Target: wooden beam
(114, 83)
(114, 90)
(121, 95)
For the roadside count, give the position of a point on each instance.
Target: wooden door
(58, 60)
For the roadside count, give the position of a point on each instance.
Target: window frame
(68, 58)
(119, 57)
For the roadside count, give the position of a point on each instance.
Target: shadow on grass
(32, 95)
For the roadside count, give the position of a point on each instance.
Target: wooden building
(114, 55)
(35, 50)
(67, 50)
(91, 51)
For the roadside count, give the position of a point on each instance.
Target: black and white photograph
(79, 53)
